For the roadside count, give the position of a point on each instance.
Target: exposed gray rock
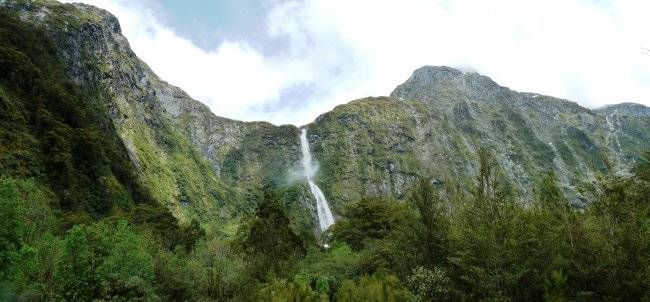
(430, 127)
(628, 109)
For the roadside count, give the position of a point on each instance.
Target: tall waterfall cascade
(325, 218)
(612, 136)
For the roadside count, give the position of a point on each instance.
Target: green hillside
(116, 186)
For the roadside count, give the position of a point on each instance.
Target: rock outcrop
(433, 125)
(626, 109)
(201, 165)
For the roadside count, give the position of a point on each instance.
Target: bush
(379, 287)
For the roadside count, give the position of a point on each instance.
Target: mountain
(182, 153)
(206, 167)
(433, 125)
(116, 186)
(625, 109)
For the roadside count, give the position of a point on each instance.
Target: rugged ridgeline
(625, 109)
(187, 157)
(200, 165)
(433, 125)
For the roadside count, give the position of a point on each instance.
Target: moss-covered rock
(203, 166)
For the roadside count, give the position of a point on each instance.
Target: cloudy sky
(289, 61)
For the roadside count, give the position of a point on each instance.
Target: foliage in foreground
(437, 246)
(77, 225)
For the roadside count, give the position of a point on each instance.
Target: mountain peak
(627, 108)
(430, 83)
(441, 71)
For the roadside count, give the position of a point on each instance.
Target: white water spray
(612, 133)
(325, 218)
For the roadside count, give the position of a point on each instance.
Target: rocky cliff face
(433, 125)
(189, 158)
(205, 166)
(625, 109)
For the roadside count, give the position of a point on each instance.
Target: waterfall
(612, 133)
(325, 218)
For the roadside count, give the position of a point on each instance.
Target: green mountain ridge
(116, 186)
(626, 109)
(200, 165)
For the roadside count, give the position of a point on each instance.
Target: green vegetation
(80, 222)
(435, 246)
(97, 154)
(53, 131)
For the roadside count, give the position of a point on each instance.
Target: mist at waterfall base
(325, 217)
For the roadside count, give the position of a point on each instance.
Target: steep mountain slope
(57, 134)
(625, 109)
(96, 153)
(158, 123)
(200, 165)
(433, 125)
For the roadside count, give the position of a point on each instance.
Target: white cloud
(584, 50)
(230, 79)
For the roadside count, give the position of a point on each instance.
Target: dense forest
(77, 225)
(433, 247)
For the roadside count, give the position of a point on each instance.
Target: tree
(283, 290)
(11, 224)
(104, 261)
(430, 285)
(552, 199)
(613, 242)
(370, 218)
(379, 287)
(127, 270)
(487, 174)
(267, 239)
(25, 216)
(433, 217)
(642, 169)
(84, 247)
